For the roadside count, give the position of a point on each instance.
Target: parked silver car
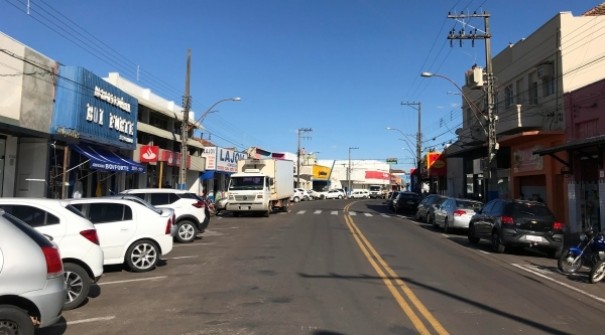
(32, 286)
(456, 213)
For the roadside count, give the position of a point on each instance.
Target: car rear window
(528, 209)
(409, 196)
(469, 205)
(31, 215)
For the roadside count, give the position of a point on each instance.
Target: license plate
(534, 238)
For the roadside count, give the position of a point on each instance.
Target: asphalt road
(339, 267)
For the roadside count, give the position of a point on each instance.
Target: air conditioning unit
(545, 70)
(474, 77)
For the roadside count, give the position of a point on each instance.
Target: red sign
(436, 164)
(378, 175)
(149, 153)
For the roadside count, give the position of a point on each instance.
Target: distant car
(426, 206)
(316, 195)
(300, 195)
(335, 194)
(456, 213)
(192, 215)
(32, 283)
(406, 202)
(391, 198)
(360, 194)
(517, 223)
(73, 233)
(130, 233)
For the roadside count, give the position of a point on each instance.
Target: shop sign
(149, 154)
(226, 159)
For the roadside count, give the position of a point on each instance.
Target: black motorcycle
(589, 252)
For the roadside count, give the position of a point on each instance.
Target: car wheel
(14, 320)
(296, 199)
(185, 231)
(598, 272)
(77, 285)
(497, 244)
(340, 197)
(142, 256)
(472, 239)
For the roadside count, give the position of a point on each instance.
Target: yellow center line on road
(394, 283)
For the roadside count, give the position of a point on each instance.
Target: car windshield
(246, 183)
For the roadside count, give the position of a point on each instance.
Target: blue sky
(339, 67)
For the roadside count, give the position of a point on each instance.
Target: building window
(520, 92)
(548, 86)
(509, 96)
(532, 89)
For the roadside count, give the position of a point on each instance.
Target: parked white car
(130, 233)
(335, 194)
(192, 215)
(32, 287)
(300, 195)
(360, 194)
(75, 235)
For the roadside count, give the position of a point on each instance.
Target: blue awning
(101, 159)
(207, 175)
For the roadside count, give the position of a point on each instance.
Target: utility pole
(418, 106)
(491, 171)
(349, 169)
(185, 127)
(300, 131)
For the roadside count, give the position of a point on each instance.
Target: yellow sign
(321, 172)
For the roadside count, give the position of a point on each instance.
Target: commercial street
(339, 267)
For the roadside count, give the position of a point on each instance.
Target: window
(532, 89)
(159, 198)
(33, 216)
(548, 86)
(520, 91)
(509, 96)
(109, 212)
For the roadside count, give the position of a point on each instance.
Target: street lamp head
(426, 74)
(389, 128)
(236, 99)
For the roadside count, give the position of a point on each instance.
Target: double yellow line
(400, 291)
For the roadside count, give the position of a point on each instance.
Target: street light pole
(185, 134)
(415, 183)
(490, 132)
(349, 169)
(300, 130)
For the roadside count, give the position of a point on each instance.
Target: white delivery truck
(261, 185)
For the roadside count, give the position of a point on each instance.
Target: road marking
(317, 211)
(385, 215)
(352, 213)
(131, 280)
(367, 214)
(69, 323)
(301, 212)
(394, 283)
(193, 244)
(334, 212)
(592, 296)
(182, 257)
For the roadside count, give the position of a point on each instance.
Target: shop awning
(207, 175)
(101, 159)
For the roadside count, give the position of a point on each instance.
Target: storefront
(220, 164)
(93, 131)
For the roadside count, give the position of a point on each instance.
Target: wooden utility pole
(185, 127)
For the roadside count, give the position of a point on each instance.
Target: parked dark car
(517, 223)
(406, 202)
(390, 198)
(426, 207)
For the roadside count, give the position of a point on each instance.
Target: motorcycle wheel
(597, 272)
(566, 262)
